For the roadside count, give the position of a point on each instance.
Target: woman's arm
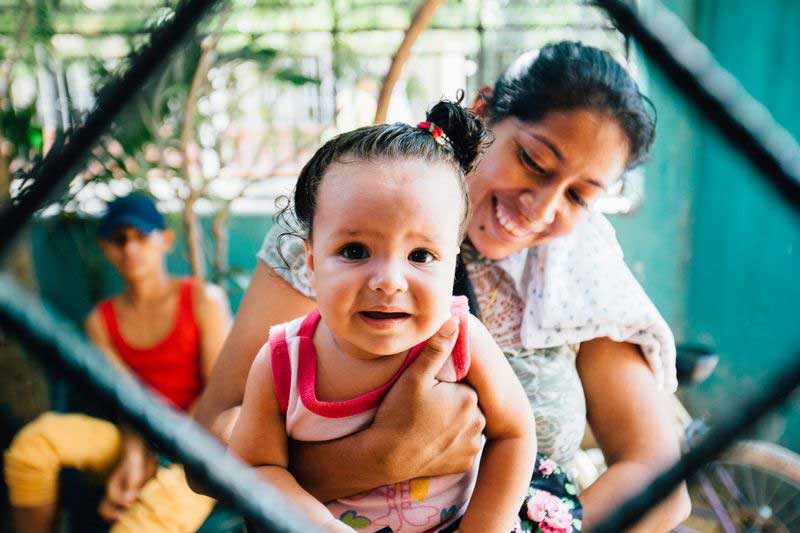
(444, 418)
(269, 300)
(510, 451)
(629, 418)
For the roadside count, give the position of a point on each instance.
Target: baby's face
(383, 252)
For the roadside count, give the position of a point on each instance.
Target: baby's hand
(335, 526)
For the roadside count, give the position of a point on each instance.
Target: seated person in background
(167, 331)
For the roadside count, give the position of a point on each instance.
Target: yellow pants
(55, 441)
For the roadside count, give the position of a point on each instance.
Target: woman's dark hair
(569, 75)
(464, 139)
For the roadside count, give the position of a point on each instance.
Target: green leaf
(294, 77)
(263, 56)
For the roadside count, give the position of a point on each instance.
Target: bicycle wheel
(754, 487)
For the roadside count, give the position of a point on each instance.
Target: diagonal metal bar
(770, 148)
(52, 340)
(50, 173)
(688, 63)
(717, 440)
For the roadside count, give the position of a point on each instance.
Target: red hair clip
(433, 129)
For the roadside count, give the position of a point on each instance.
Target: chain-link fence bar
(48, 175)
(744, 121)
(54, 341)
(717, 440)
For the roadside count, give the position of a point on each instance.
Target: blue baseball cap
(135, 210)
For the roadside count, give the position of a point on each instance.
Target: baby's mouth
(384, 319)
(384, 315)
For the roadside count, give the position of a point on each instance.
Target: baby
(383, 211)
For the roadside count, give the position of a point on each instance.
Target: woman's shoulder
(593, 238)
(285, 254)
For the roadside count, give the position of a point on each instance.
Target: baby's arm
(510, 452)
(259, 438)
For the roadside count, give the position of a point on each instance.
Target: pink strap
(461, 359)
(281, 366)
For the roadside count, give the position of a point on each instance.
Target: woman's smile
(514, 222)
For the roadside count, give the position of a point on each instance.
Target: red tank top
(172, 366)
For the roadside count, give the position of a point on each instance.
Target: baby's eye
(421, 255)
(354, 252)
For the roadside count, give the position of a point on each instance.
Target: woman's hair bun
(464, 129)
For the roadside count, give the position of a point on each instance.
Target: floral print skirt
(552, 504)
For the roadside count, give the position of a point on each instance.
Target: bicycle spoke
(716, 503)
(752, 492)
(792, 495)
(768, 496)
(762, 492)
(787, 497)
(794, 516)
(779, 484)
(735, 501)
(727, 481)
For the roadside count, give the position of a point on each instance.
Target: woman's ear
(309, 260)
(481, 101)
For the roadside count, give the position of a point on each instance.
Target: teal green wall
(716, 248)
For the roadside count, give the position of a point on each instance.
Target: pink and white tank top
(421, 504)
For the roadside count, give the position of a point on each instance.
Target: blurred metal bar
(770, 148)
(719, 438)
(53, 341)
(718, 95)
(48, 176)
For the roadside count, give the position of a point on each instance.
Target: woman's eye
(529, 162)
(354, 252)
(421, 256)
(576, 198)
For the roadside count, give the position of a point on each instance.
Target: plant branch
(420, 21)
(189, 166)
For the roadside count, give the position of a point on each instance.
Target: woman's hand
(434, 428)
(422, 428)
(629, 417)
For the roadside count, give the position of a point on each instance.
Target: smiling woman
(553, 170)
(567, 123)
